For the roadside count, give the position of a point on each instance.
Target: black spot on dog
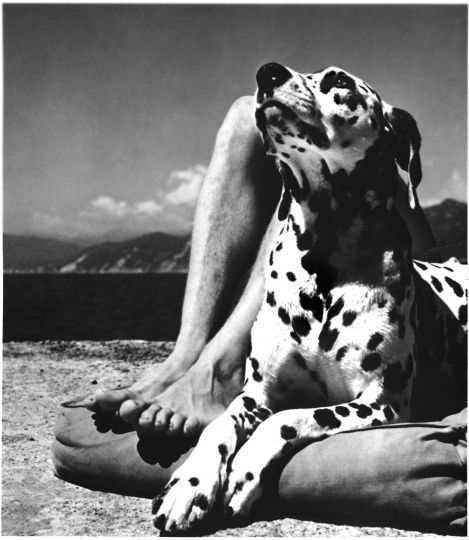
(313, 304)
(437, 284)
(388, 413)
(160, 521)
(337, 99)
(462, 314)
(285, 155)
(201, 501)
(295, 336)
(194, 481)
(288, 432)
(374, 341)
(249, 403)
(291, 276)
(223, 449)
(271, 258)
(270, 299)
(375, 406)
(279, 246)
(458, 290)
(363, 411)
(238, 486)
(256, 376)
(376, 422)
(371, 361)
(326, 418)
(341, 353)
(353, 120)
(348, 318)
(254, 363)
(284, 317)
(343, 411)
(274, 274)
(420, 265)
(249, 476)
(250, 417)
(327, 337)
(336, 308)
(301, 325)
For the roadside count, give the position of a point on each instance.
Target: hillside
(161, 252)
(26, 253)
(154, 252)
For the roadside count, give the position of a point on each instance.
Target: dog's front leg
(286, 432)
(192, 491)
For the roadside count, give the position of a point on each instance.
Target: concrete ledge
(37, 377)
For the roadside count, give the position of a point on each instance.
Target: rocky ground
(39, 376)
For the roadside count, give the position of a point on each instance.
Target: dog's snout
(271, 76)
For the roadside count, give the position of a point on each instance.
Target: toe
(162, 419)
(111, 400)
(176, 424)
(131, 410)
(192, 427)
(147, 418)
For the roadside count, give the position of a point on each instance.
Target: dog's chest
(286, 335)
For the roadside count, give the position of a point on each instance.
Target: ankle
(186, 353)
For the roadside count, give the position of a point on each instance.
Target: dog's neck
(347, 224)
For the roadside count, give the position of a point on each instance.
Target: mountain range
(161, 252)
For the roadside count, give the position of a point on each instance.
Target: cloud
(184, 186)
(105, 205)
(171, 211)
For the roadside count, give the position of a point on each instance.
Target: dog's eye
(342, 81)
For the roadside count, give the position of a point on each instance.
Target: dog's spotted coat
(352, 333)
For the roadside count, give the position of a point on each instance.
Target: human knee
(238, 126)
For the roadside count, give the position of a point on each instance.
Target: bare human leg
(235, 205)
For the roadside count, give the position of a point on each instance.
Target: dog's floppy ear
(407, 141)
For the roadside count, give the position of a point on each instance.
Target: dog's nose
(271, 76)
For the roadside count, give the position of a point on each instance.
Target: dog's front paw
(244, 489)
(185, 501)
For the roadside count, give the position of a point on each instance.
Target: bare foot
(173, 399)
(193, 401)
(144, 391)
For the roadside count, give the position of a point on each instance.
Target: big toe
(111, 400)
(130, 410)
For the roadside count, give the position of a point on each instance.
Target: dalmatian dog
(351, 333)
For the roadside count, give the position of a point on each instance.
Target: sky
(110, 111)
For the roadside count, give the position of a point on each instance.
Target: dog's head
(332, 117)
